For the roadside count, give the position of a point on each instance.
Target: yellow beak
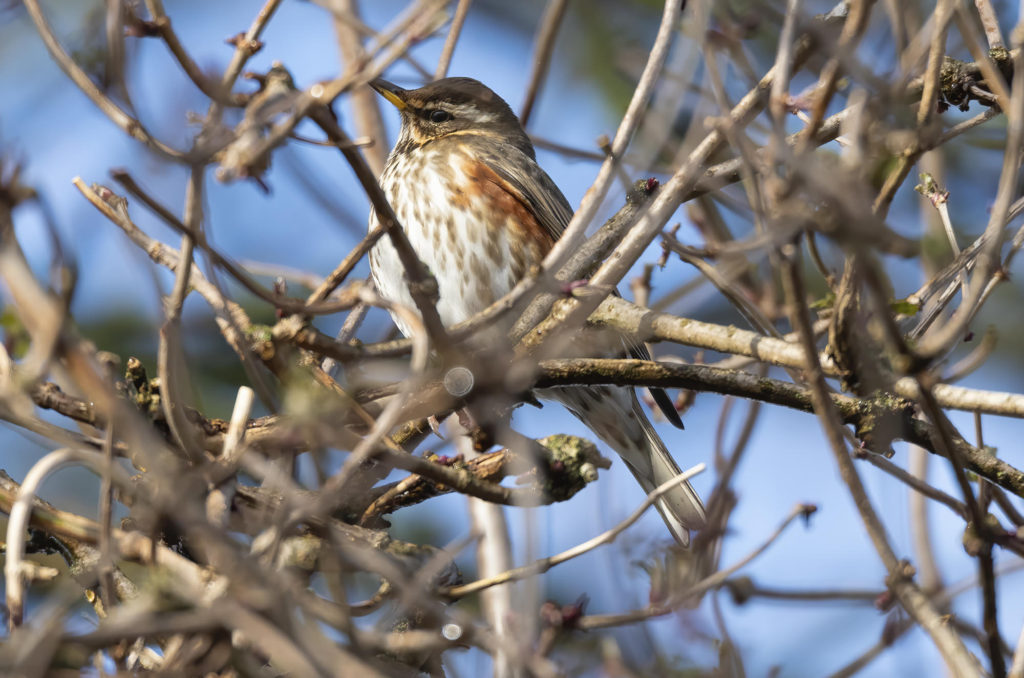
(393, 93)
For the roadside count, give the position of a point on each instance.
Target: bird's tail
(615, 415)
(680, 507)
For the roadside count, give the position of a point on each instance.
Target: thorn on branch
(740, 588)
(557, 616)
(249, 46)
(136, 27)
(281, 290)
(806, 511)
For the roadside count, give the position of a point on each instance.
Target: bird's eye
(437, 115)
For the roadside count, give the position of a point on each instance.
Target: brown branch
(877, 420)
(542, 51)
(343, 302)
(365, 106)
(445, 60)
(161, 24)
(557, 468)
(648, 325)
(914, 601)
(129, 125)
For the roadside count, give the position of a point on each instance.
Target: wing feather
(525, 179)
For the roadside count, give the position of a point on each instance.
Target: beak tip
(390, 91)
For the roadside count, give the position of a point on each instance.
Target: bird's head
(450, 107)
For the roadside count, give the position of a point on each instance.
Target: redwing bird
(479, 211)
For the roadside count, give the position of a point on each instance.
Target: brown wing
(486, 187)
(523, 177)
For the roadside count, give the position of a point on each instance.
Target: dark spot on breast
(493, 250)
(459, 198)
(484, 292)
(477, 266)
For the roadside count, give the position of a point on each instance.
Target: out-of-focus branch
(365, 104)
(119, 117)
(958, 659)
(542, 50)
(445, 60)
(161, 25)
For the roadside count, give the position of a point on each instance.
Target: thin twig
(543, 48)
(365, 104)
(162, 23)
(17, 528)
(171, 362)
(106, 564)
(283, 303)
(119, 117)
(445, 60)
